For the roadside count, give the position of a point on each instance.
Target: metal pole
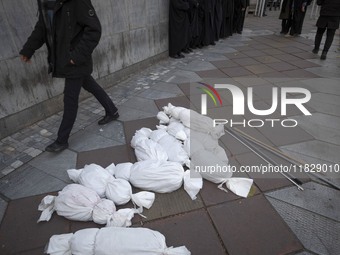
(273, 163)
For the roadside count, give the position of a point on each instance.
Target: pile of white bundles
(77, 202)
(158, 176)
(198, 137)
(112, 241)
(106, 185)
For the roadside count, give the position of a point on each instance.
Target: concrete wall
(134, 34)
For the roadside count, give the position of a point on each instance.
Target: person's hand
(243, 9)
(71, 61)
(303, 9)
(25, 59)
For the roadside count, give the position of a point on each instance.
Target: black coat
(73, 35)
(329, 7)
(179, 26)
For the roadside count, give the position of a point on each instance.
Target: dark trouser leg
(329, 39)
(71, 96)
(318, 37)
(93, 87)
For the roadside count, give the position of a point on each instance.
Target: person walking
(328, 19)
(71, 31)
(286, 16)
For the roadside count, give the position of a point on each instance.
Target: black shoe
(315, 51)
(56, 147)
(186, 51)
(108, 119)
(323, 55)
(190, 50)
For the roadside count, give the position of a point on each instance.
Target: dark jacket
(74, 34)
(329, 7)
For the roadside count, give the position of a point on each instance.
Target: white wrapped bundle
(177, 130)
(146, 149)
(122, 171)
(163, 118)
(174, 149)
(76, 202)
(112, 241)
(215, 170)
(163, 177)
(105, 185)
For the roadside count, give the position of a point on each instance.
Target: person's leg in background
(71, 96)
(318, 38)
(328, 42)
(111, 111)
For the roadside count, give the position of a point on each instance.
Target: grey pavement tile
(254, 53)
(260, 68)
(291, 49)
(272, 51)
(300, 73)
(288, 58)
(152, 94)
(304, 253)
(146, 102)
(280, 135)
(85, 141)
(236, 55)
(28, 181)
(246, 61)
(267, 59)
(281, 66)
(224, 63)
(127, 113)
(182, 76)
(168, 87)
(198, 65)
(3, 206)
(316, 149)
(113, 130)
(305, 55)
(236, 71)
(296, 83)
(211, 56)
(325, 103)
(322, 126)
(304, 64)
(250, 82)
(325, 71)
(315, 198)
(324, 85)
(317, 233)
(56, 164)
(212, 74)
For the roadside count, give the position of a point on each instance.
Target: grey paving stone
(182, 77)
(198, 65)
(281, 66)
(127, 113)
(86, 141)
(213, 56)
(168, 87)
(143, 101)
(113, 130)
(3, 206)
(317, 233)
(267, 59)
(315, 198)
(250, 82)
(235, 71)
(56, 164)
(28, 181)
(326, 71)
(324, 85)
(322, 126)
(316, 149)
(216, 73)
(325, 103)
(246, 61)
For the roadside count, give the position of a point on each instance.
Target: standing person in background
(227, 18)
(208, 28)
(243, 17)
(194, 41)
(328, 19)
(178, 27)
(71, 31)
(286, 16)
(218, 19)
(298, 11)
(239, 9)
